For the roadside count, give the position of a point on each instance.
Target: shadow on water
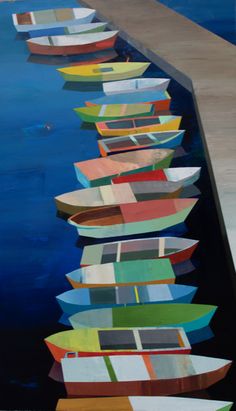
(74, 60)
(184, 267)
(175, 231)
(190, 191)
(82, 87)
(55, 372)
(22, 36)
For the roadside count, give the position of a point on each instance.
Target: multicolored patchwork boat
(161, 99)
(75, 29)
(123, 273)
(114, 111)
(189, 316)
(44, 19)
(138, 125)
(81, 200)
(92, 342)
(162, 139)
(100, 171)
(142, 403)
(135, 85)
(103, 72)
(141, 375)
(132, 218)
(177, 249)
(72, 44)
(80, 299)
(184, 175)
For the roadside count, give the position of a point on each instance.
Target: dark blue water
(40, 139)
(215, 15)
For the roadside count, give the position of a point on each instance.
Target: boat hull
(129, 250)
(70, 209)
(160, 105)
(72, 49)
(81, 177)
(59, 352)
(71, 308)
(90, 118)
(139, 227)
(171, 143)
(151, 387)
(147, 404)
(159, 176)
(168, 126)
(135, 86)
(115, 74)
(23, 28)
(56, 31)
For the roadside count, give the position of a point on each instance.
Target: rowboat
(80, 299)
(161, 139)
(72, 44)
(100, 171)
(76, 29)
(136, 272)
(138, 125)
(90, 342)
(161, 99)
(132, 218)
(189, 316)
(81, 200)
(114, 111)
(184, 175)
(141, 375)
(177, 249)
(135, 85)
(103, 72)
(44, 19)
(141, 403)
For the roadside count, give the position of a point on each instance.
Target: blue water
(215, 15)
(40, 139)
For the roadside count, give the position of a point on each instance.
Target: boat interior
(99, 217)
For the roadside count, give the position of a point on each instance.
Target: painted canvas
(116, 291)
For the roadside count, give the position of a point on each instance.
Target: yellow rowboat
(103, 72)
(136, 125)
(89, 342)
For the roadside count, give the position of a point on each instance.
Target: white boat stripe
(161, 246)
(132, 370)
(107, 195)
(151, 136)
(15, 19)
(134, 140)
(32, 18)
(137, 340)
(123, 109)
(118, 252)
(103, 109)
(117, 295)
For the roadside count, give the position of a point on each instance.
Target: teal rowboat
(189, 316)
(139, 272)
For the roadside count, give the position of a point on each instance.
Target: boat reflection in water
(74, 60)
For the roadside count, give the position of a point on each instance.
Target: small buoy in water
(48, 126)
(38, 129)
